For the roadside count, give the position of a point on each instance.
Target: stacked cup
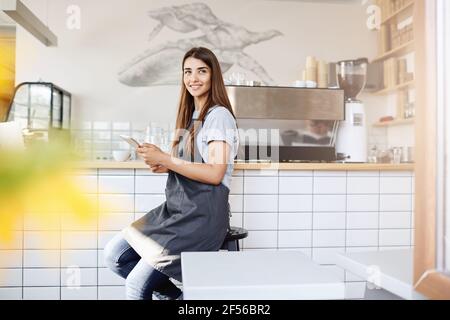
(322, 74)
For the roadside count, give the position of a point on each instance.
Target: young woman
(195, 215)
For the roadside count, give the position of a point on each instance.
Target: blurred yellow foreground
(38, 183)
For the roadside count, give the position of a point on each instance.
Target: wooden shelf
(396, 13)
(402, 50)
(393, 89)
(397, 122)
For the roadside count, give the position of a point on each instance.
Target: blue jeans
(141, 279)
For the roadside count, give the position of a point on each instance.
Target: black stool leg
(233, 245)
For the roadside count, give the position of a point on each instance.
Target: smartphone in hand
(131, 141)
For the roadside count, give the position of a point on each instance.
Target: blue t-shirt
(219, 125)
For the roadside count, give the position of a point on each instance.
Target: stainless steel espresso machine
(287, 124)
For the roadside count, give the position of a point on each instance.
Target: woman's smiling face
(197, 77)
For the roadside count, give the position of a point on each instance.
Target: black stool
(231, 242)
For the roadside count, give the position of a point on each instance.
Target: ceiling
(5, 20)
(329, 1)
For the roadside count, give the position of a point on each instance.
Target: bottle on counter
(311, 69)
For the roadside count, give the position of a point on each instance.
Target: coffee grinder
(351, 141)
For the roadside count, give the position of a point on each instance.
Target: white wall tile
(111, 293)
(42, 240)
(329, 203)
(41, 277)
(329, 220)
(151, 184)
(396, 173)
(395, 248)
(15, 241)
(86, 183)
(295, 203)
(293, 239)
(41, 222)
(330, 173)
(362, 220)
(76, 277)
(260, 239)
(238, 173)
(395, 220)
(329, 185)
(236, 220)
(296, 185)
(10, 258)
(260, 203)
(139, 215)
(10, 293)
(80, 258)
(83, 293)
(41, 258)
(362, 202)
(148, 172)
(10, 277)
(116, 172)
(395, 237)
(75, 223)
(115, 221)
(262, 172)
(260, 221)
(294, 220)
(328, 238)
(295, 173)
(237, 185)
(108, 278)
(104, 237)
(395, 185)
(361, 238)
(78, 240)
(236, 203)
(101, 258)
(361, 249)
(116, 184)
(261, 185)
(363, 185)
(41, 293)
(116, 202)
(363, 173)
(395, 202)
(326, 255)
(145, 203)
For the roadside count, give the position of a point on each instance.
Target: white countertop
(391, 270)
(256, 275)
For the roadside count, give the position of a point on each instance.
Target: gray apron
(194, 217)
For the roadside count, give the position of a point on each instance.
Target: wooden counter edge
(262, 166)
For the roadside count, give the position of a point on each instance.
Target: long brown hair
(217, 95)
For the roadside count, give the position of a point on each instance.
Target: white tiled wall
(316, 212)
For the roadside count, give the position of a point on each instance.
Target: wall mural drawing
(160, 64)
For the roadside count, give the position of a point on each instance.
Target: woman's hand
(159, 169)
(152, 155)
